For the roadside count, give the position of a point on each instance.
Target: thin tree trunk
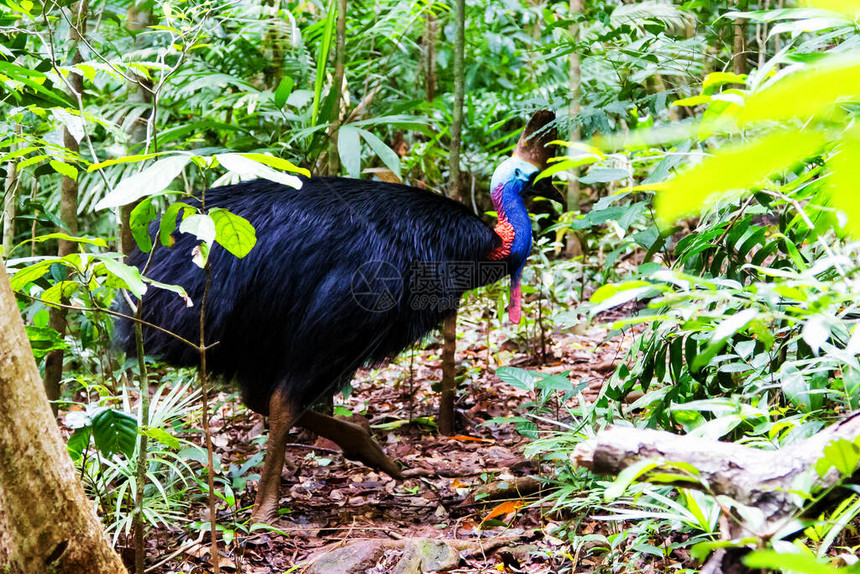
(449, 385)
(337, 85)
(139, 18)
(430, 56)
(739, 57)
(459, 90)
(449, 372)
(573, 246)
(68, 208)
(10, 203)
(47, 524)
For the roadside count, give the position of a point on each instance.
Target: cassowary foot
(355, 442)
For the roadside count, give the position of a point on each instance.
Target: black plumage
(344, 272)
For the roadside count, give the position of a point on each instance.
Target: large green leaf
(154, 179)
(322, 58)
(349, 150)
(128, 274)
(247, 167)
(232, 232)
(139, 221)
(115, 432)
(385, 153)
(845, 173)
(811, 92)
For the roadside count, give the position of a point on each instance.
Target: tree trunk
(430, 56)
(68, 208)
(139, 18)
(47, 524)
(449, 385)
(739, 57)
(337, 85)
(10, 203)
(573, 247)
(459, 89)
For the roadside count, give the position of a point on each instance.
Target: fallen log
(763, 479)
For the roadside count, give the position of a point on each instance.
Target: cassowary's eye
(518, 173)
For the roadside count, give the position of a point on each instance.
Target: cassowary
(344, 273)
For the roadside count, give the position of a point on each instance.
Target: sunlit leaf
(844, 174)
(200, 225)
(154, 179)
(848, 7)
(734, 168)
(247, 168)
(806, 93)
(799, 563)
(232, 232)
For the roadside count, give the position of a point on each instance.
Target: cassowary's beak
(545, 189)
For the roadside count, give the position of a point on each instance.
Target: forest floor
(331, 504)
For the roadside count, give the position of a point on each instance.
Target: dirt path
(330, 502)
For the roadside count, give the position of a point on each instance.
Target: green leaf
(845, 173)
(153, 179)
(277, 163)
(385, 153)
(810, 92)
(604, 175)
(232, 232)
(349, 150)
(839, 453)
(33, 272)
(733, 168)
(124, 159)
(732, 324)
(168, 221)
(128, 274)
(322, 58)
(847, 7)
(162, 436)
(138, 223)
(115, 432)
(78, 442)
(518, 378)
(247, 167)
(65, 169)
(801, 563)
(60, 292)
(626, 477)
(43, 340)
(565, 165)
(201, 226)
(715, 79)
(97, 241)
(283, 92)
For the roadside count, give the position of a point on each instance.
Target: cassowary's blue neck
(515, 230)
(515, 227)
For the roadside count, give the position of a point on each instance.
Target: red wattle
(515, 310)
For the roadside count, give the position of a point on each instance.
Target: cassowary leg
(281, 419)
(355, 442)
